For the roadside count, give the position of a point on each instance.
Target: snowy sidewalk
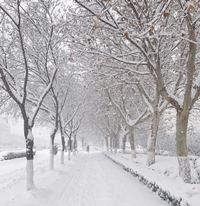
(88, 180)
(162, 177)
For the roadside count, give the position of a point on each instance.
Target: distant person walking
(88, 148)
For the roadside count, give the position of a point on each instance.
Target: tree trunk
(52, 137)
(51, 160)
(111, 144)
(124, 144)
(183, 115)
(29, 153)
(63, 148)
(29, 175)
(70, 143)
(69, 154)
(74, 146)
(106, 143)
(132, 143)
(70, 148)
(62, 158)
(115, 150)
(29, 156)
(62, 155)
(151, 147)
(181, 146)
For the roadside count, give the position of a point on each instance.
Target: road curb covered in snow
(165, 195)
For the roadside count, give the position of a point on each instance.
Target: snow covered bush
(7, 155)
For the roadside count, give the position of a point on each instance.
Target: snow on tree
(159, 37)
(27, 61)
(124, 105)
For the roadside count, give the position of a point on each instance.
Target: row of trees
(149, 48)
(133, 58)
(37, 76)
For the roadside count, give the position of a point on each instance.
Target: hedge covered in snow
(7, 155)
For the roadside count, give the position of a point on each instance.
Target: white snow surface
(91, 179)
(165, 174)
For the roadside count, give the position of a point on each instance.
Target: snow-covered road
(88, 180)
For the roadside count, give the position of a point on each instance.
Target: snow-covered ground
(89, 179)
(164, 174)
(93, 180)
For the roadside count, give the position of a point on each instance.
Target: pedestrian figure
(88, 148)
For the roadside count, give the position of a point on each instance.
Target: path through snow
(88, 180)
